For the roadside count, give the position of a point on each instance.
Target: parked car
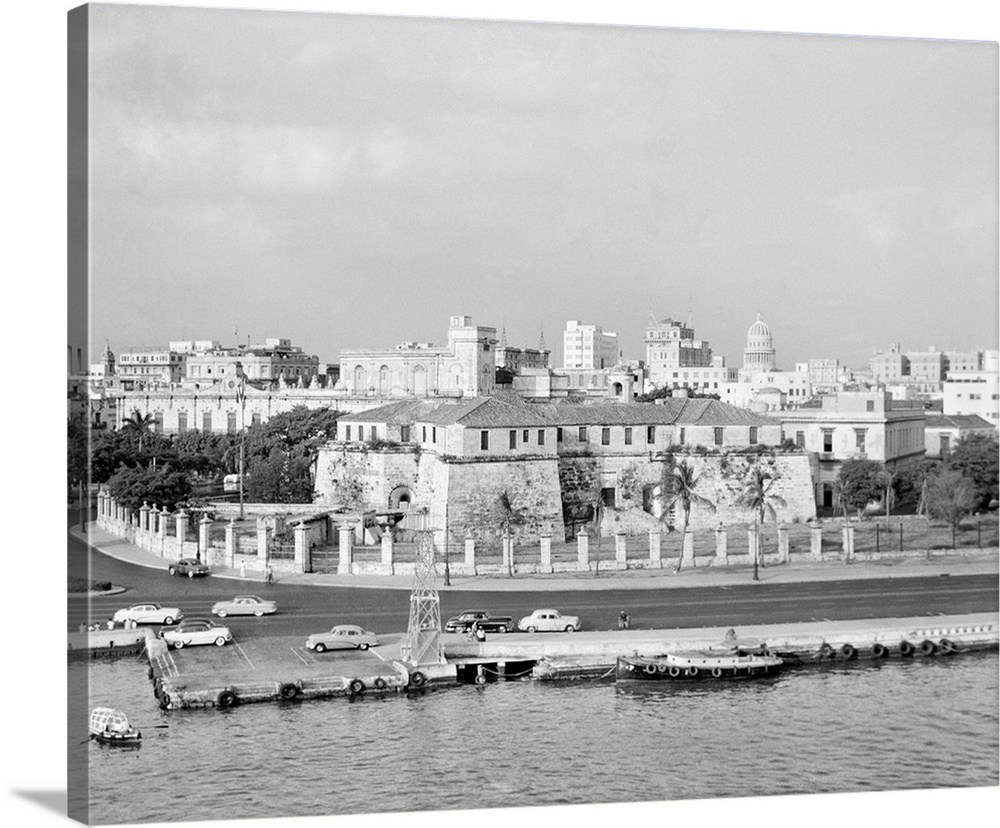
(482, 619)
(342, 637)
(147, 614)
(549, 620)
(244, 605)
(189, 567)
(196, 631)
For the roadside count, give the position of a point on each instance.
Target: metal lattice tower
(423, 634)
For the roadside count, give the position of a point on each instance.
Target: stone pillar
(203, 526)
(721, 545)
(655, 548)
(301, 553)
(144, 517)
(816, 542)
(182, 523)
(387, 549)
(687, 547)
(783, 553)
(545, 544)
(346, 537)
(470, 553)
(231, 543)
(621, 550)
(582, 550)
(848, 544)
(263, 536)
(161, 526)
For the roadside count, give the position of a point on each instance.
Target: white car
(147, 614)
(196, 631)
(244, 605)
(549, 620)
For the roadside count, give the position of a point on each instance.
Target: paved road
(305, 609)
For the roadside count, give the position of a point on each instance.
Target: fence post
(262, 538)
(299, 533)
(470, 553)
(203, 528)
(545, 543)
(848, 543)
(783, 553)
(346, 537)
(816, 541)
(387, 548)
(621, 550)
(144, 517)
(582, 550)
(655, 548)
(721, 546)
(231, 543)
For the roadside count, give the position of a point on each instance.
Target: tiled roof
(716, 413)
(404, 412)
(956, 421)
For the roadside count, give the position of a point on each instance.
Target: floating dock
(282, 669)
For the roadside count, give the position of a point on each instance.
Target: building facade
(759, 356)
(588, 347)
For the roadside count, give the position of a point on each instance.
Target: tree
(508, 516)
(138, 424)
(951, 496)
(977, 457)
(679, 485)
(861, 482)
(758, 498)
(133, 485)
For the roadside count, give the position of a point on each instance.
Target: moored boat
(698, 665)
(111, 727)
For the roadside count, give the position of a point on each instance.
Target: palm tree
(758, 498)
(680, 483)
(139, 424)
(509, 516)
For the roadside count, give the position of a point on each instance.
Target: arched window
(419, 380)
(359, 379)
(384, 379)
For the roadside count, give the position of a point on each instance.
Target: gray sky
(351, 181)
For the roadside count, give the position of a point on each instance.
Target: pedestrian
(480, 634)
(269, 575)
(471, 635)
(622, 620)
(243, 568)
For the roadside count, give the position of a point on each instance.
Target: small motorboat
(731, 663)
(111, 727)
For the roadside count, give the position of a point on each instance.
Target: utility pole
(241, 396)
(447, 553)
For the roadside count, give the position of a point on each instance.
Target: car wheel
(321, 648)
(258, 613)
(191, 573)
(168, 620)
(362, 646)
(501, 629)
(570, 628)
(532, 629)
(178, 644)
(172, 570)
(221, 613)
(220, 642)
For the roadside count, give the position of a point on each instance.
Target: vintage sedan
(147, 614)
(189, 567)
(549, 620)
(196, 631)
(342, 637)
(244, 605)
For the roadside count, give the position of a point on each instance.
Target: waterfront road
(305, 608)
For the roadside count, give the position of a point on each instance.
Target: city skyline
(351, 181)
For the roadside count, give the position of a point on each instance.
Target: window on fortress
(206, 421)
(361, 432)
(859, 439)
(680, 438)
(800, 439)
(541, 436)
(559, 435)
(347, 433)
(404, 434)
(484, 440)
(374, 433)
(182, 422)
(753, 435)
(583, 434)
(524, 436)
(827, 439)
(628, 435)
(513, 439)
(434, 434)
(718, 436)
(605, 436)
(650, 434)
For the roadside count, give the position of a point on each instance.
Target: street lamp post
(242, 397)
(447, 552)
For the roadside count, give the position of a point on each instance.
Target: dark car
(481, 619)
(189, 567)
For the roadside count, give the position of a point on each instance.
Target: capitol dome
(759, 352)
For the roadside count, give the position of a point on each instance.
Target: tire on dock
(227, 698)
(417, 679)
(879, 650)
(356, 687)
(848, 652)
(905, 648)
(288, 691)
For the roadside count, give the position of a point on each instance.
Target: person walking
(622, 620)
(269, 575)
(243, 568)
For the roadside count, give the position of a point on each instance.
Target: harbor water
(920, 723)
